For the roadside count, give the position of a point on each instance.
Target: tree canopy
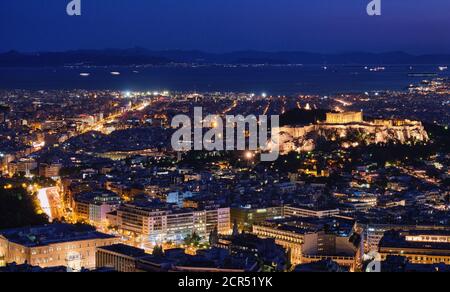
(17, 209)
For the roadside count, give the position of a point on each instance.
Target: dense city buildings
(355, 183)
(224, 144)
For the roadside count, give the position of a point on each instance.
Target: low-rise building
(418, 246)
(49, 170)
(72, 246)
(178, 197)
(245, 217)
(93, 207)
(23, 165)
(120, 257)
(123, 258)
(373, 233)
(313, 239)
(297, 211)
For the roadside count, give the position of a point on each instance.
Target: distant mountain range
(140, 56)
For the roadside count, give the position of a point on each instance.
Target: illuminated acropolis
(344, 118)
(339, 126)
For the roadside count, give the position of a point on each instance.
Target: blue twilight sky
(416, 26)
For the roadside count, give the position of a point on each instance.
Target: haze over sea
(275, 80)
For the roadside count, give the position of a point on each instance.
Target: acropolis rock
(350, 129)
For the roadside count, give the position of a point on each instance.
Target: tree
(235, 229)
(193, 240)
(17, 209)
(214, 237)
(158, 251)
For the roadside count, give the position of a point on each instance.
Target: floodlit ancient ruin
(351, 130)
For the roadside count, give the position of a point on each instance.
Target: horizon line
(226, 52)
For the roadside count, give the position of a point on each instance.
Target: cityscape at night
(224, 138)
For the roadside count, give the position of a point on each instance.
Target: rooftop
(124, 250)
(338, 226)
(52, 234)
(98, 197)
(397, 239)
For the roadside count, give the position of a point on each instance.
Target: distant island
(140, 57)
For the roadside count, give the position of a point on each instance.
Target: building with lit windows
(418, 246)
(245, 217)
(93, 207)
(289, 238)
(120, 257)
(158, 223)
(124, 258)
(49, 170)
(23, 165)
(295, 211)
(373, 233)
(72, 246)
(312, 239)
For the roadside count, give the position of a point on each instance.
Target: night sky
(415, 26)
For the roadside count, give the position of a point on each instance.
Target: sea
(270, 79)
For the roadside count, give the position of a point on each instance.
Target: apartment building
(158, 222)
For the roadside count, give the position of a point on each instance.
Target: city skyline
(214, 137)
